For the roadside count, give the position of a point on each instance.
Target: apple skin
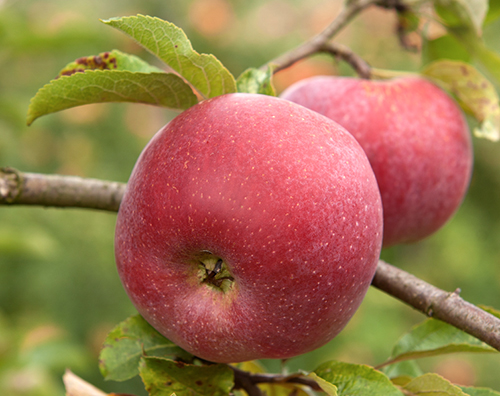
(415, 137)
(284, 196)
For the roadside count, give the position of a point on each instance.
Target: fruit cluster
(252, 226)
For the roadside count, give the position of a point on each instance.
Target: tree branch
(17, 188)
(246, 380)
(437, 303)
(318, 42)
(321, 42)
(361, 67)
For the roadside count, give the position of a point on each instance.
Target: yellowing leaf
(475, 94)
(433, 384)
(355, 379)
(165, 377)
(329, 388)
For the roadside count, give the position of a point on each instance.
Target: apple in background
(415, 137)
(251, 228)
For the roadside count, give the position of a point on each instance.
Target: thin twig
(17, 188)
(242, 380)
(315, 44)
(245, 377)
(361, 67)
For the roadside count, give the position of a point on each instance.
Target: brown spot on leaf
(180, 364)
(103, 61)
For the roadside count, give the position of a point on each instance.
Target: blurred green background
(59, 290)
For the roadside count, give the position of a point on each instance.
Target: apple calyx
(214, 273)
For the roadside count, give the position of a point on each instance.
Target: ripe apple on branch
(251, 227)
(416, 139)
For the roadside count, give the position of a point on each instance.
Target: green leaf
(163, 377)
(113, 60)
(463, 13)
(477, 48)
(170, 44)
(402, 380)
(475, 94)
(479, 391)
(128, 342)
(354, 379)
(100, 86)
(444, 47)
(489, 59)
(493, 12)
(327, 387)
(434, 385)
(491, 310)
(432, 338)
(408, 20)
(256, 81)
(406, 368)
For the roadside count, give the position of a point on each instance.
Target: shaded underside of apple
(251, 228)
(415, 137)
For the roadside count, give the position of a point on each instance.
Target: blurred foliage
(59, 290)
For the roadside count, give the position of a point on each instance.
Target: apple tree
(252, 226)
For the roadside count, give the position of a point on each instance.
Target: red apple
(250, 228)
(415, 137)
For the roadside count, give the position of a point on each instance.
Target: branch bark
(361, 67)
(17, 188)
(322, 41)
(439, 304)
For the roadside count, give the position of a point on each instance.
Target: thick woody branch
(439, 304)
(17, 188)
(67, 191)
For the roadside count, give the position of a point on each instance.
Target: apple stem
(215, 271)
(211, 275)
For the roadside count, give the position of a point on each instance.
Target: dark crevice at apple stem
(211, 275)
(215, 271)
